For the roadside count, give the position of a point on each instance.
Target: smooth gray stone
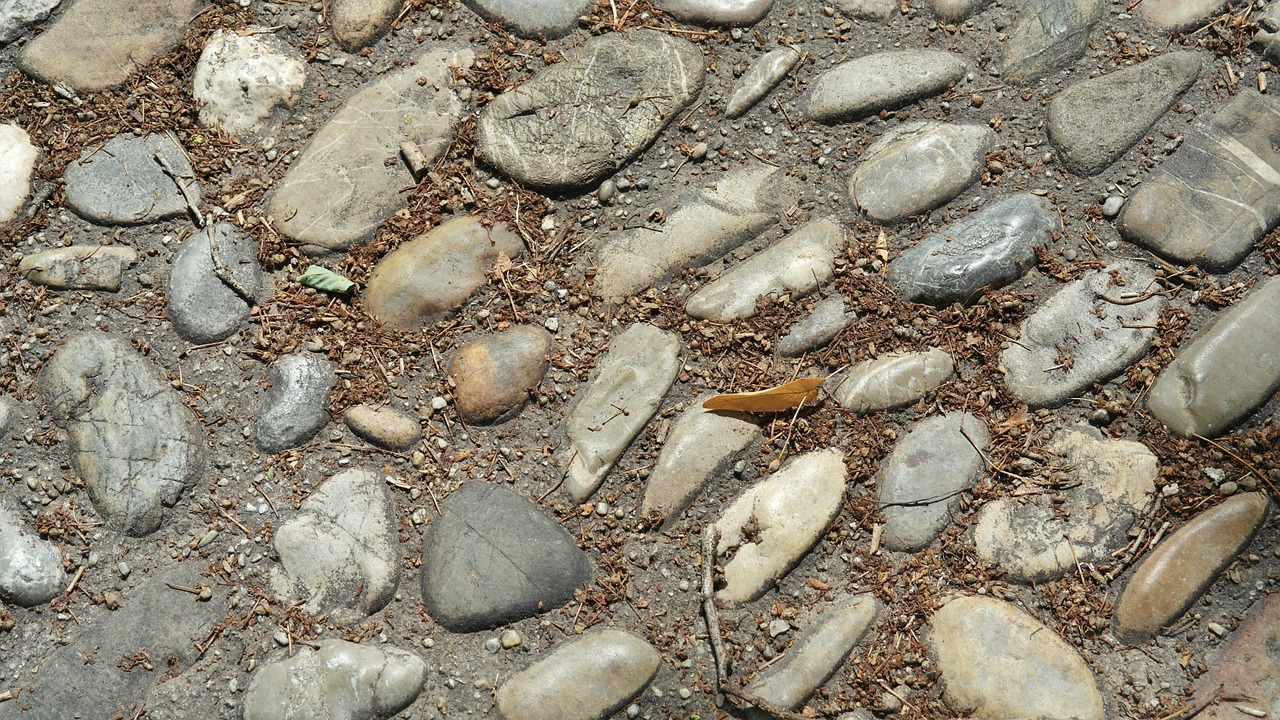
(881, 81)
(79, 267)
(1226, 372)
(1078, 338)
(579, 120)
(30, 568)
(587, 678)
(120, 182)
(920, 483)
(764, 74)
(358, 24)
(1172, 15)
(917, 166)
(295, 407)
(493, 557)
(533, 18)
(877, 10)
(716, 12)
(1049, 35)
(1091, 124)
(82, 679)
(986, 250)
(202, 307)
(132, 440)
(341, 553)
(340, 681)
(1218, 193)
(17, 16)
(826, 321)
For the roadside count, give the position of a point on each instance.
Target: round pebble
(510, 639)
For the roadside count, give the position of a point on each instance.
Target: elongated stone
(79, 267)
(533, 18)
(702, 443)
(988, 249)
(349, 177)
(1174, 15)
(1093, 123)
(761, 77)
(122, 183)
(917, 166)
(635, 374)
(769, 529)
(881, 81)
(894, 379)
(796, 265)
(339, 680)
(589, 678)
(1218, 194)
(385, 427)
(957, 10)
(1226, 372)
(826, 321)
(1177, 572)
(1248, 665)
(999, 662)
(717, 12)
(1080, 337)
(1049, 35)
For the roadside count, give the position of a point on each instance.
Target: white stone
(17, 161)
(243, 79)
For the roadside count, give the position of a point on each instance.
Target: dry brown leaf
(787, 396)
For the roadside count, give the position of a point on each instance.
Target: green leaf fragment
(325, 280)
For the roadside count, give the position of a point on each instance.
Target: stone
(881, 81)
(997, 661)
(894, 379)
(424, 279)
(877, 10)
(493, 557)
(121, 183)
(349, 177)
(1036, 538)
(1247, 664)
(494, 375)
(202, 305)
(700, 228)
(339, 681)
(794, 266)
(1174, 15)
(17, 163)
(917, 166)
(769, 529)
(761, 77)
(716, 12)
(919, 485)
(588, 678)
(132, 440)
(84, 678)
(1091, 124)
(340, 553)
(954, 11)
(246, 82)
(17, 16)
(533, 18)
(1174, 575)
(79, 267)
(1267, 38)
(1230, 369)
(579, 120)
(701, 445)
(1079, 337)
(1049, 35)
(817, 653)
(295, 407)
(128, 34)
(989, 249)
(828, 318)
(30, 568)
(1218, 193)
(635, 374)
(357, 24)
(387, 428)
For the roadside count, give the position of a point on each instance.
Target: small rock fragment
(764, 74)
(79, 267)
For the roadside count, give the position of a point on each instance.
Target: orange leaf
(787, 396)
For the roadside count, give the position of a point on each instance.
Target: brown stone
(385, 427)
(1249, 665)
(1172, 577)
(493, 375)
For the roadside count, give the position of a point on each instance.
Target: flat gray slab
(122, 183)
(1049, 35)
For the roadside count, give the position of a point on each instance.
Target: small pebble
(493, 645)
(510, 639)
(1228, 488)
(439, 403)
(1111, 206)
(633, 711)
(123, 569)
(685, 693)
(1217, 629)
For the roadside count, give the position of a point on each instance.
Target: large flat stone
(1048, 35)
(881, 81)
(588, 678)
(122, 183)
(349, 177)
(917, 166)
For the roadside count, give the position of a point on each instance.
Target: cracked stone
(79, 267)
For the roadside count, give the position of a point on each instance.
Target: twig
(563, 476)
(1075, 557)
(220, 268)
(177, 180)
(709, 606)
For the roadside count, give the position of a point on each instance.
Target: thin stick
(1240, 460)
(177, 180)
(222, 271)
(709, 606)
(1075, 557)
(563, 476)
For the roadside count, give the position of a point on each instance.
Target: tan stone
(1171, 15)
(359, 23)
(493, 375)
(588, 678)
(385, 427)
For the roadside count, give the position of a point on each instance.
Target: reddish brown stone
(493, 375)
(1249, 665)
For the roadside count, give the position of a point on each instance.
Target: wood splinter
(414, 158)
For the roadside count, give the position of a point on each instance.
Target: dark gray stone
(1049, 35)
(296, 405)
(84, 680)
(202, 306)
(826, 321)
(533, 18)
(30, 568)
(1093, 123)
(493, 557)
(579, 120)
(132, 440)
(121, 183)
(989, 249)
(1218, 194)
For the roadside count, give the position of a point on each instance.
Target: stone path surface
(650, 360)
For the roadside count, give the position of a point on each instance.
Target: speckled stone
(245, 81)
(917, 166)
(880, 81)
(587, 678)
(1175, 574)
(358, 24)
(894, 379)
(30, 567)
(493, 375)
